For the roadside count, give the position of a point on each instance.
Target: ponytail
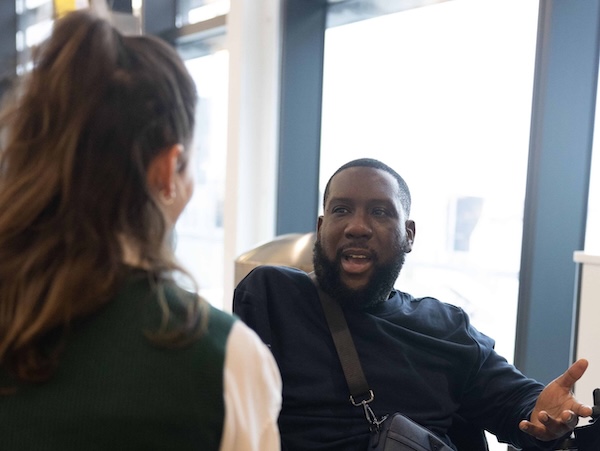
(76, 143)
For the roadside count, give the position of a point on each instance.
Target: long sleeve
(252, 394)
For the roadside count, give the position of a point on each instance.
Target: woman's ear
(161, 173)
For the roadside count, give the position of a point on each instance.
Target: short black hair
(405, 199)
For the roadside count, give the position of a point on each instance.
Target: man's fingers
(583, 411)
(573, 374)
(550, 428)
(527, 426)
(538, 432)
(569, 419)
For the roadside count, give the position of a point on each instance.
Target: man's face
(362, 237)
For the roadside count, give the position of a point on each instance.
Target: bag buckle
(369, 414)
(364, 401)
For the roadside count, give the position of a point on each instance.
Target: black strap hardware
(360, 393)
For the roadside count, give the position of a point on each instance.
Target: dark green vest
(114, 390)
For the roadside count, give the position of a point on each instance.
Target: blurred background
(485, 107)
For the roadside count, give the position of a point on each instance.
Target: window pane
(199, 231)
(442, 93)
(592, 237)
(194, 11)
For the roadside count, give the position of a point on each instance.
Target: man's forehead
(363, 177)
(368, 201)
(364, 185)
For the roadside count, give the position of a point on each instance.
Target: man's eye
(379, 212)
(339, 210)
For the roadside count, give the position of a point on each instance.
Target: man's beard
(378, 288)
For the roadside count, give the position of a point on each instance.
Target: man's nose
(359, 226)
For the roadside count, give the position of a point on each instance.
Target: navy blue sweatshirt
(421, 357)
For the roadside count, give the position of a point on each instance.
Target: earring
(167, 197)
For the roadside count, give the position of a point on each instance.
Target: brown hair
(77, 139)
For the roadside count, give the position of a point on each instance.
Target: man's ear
(319, 224)
(411, 230)
(161, 171)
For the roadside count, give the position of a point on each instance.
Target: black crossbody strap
(355, 377)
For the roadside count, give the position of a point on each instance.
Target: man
(420, 356)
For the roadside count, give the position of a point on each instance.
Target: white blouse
(252, 395)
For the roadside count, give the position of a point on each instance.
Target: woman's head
(93, 159)
(94, 113)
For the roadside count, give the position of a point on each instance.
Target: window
(34, 25)
(35, 19)
(592, 238)
(194, 11)
(199, 231)
(443, 93)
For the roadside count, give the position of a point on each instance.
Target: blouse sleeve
(252, 385)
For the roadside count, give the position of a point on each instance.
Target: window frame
(556, 193)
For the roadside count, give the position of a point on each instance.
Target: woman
(99, 348)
